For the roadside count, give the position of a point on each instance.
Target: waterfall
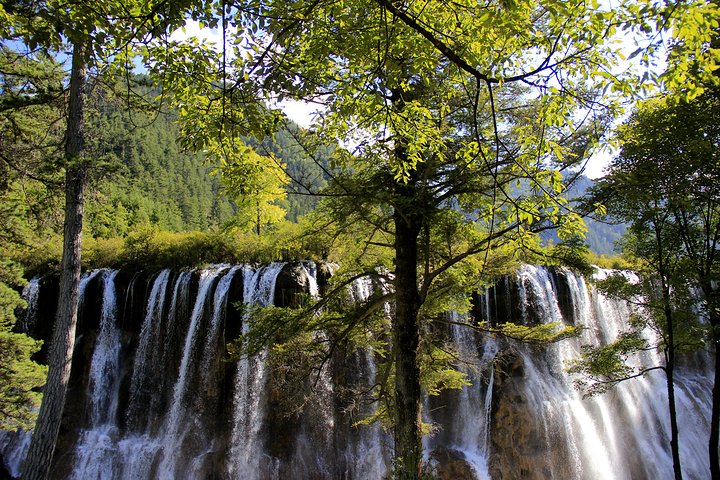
(141, 445)
(367, 454)
(368, 447)
(14, 445)
(550, 392)
(144, 381)
(209, 354)
(181, 391)
(181, 424)
(105, 366)
(95, 446)
(30, 293)
(471, 428)
(462, 417)
(314, 438)
(154, 396)
(644, 403)
(248, 458)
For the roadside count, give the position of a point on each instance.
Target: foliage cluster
(614, 262)
(28, 143)
(141, 174)
(664, 184)
(464, 115)
(20, 377)
(151, 248)
(344, 325)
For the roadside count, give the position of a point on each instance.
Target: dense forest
(145, 182)
(449, 150)
(149, 179)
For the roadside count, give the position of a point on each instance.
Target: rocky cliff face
(519, 446)
(450, 464)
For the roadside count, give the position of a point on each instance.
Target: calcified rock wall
(152, 395)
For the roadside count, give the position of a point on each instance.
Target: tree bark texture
(39, 458)
(670, 383)
(715, 416)
(711, 294)
(407, 432)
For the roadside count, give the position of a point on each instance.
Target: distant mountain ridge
(601, 236)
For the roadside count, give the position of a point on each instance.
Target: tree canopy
(29, 87)
(457, 121)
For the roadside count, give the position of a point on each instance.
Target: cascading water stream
(14, 445)
(85, 280)
(209, 354)
(367, 453)
(141, 445)
(96, 443)
(105, 366)
(465, 431)
(310, 270)
(645, 405)
(471, 426)
(143, 382)
(180, 422)
(591, 437)
(314, 437)
(248, 459)
(553, 394)
(30, 293)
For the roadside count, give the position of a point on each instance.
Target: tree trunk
(257, 225)
(670, 382)
(408, 221)
(407, 432)
(713, 307)
(715, 416)
(665, 275)
(39, 458)
(674, 439)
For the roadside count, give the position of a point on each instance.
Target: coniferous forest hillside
(144, 181)
(148, 178)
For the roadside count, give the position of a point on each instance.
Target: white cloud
(192, 28)
(302, 113)
(597, 164)
(213, 36)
